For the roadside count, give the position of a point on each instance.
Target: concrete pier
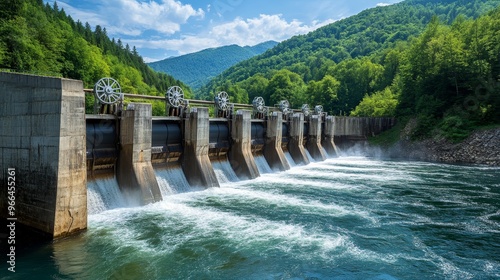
(296, 141)
(240, 154)
(314, 142)
(42, 138)
(328, 135)
(135, 172)
(272, 149)
(195, 161)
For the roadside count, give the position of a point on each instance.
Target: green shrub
(455, 128)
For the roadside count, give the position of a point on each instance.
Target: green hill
(338, 64)
(196, 69)
(42, 39)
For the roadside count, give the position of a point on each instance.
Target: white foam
(447, 267)
(283, 201)
(104, 194)
(172, 181)
(246, 232)
(224, 172)
(284, 180)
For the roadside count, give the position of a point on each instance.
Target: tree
(9, 9)
(255, 86)
(285, 85)
(323, 92)
(380, 104)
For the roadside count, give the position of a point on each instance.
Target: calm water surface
(345, 218)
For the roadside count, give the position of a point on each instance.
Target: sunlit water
(345, 218)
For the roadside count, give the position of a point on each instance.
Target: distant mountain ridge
(196, 69)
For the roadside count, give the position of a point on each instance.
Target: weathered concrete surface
(42, 136)
(135, 173)
(328, 134)
(349, 130)
(195, 161)
(296, 141)
(272, 149)
(240, 154)
(314, 143)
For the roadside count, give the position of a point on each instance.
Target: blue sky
(164, 28)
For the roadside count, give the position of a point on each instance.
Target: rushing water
(345, 218)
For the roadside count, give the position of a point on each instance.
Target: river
(344, 218)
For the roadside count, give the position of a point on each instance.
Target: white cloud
(184, 45)
(240, 31)
(130, 20)
(256, 30)
(133, 17)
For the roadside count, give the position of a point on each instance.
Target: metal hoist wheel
(305, 110)
(108, 91)
(175, 96)
(258, 104)
(222, 101)
(284, 106)
(318, 110)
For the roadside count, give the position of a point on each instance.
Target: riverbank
(481, 147)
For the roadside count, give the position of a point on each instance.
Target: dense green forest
(338, 64)
(42, 39)
(197, 69)
(449, 77)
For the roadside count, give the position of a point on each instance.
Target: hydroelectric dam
(57, 151)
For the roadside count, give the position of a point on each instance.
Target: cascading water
(262, 165)
(224, 172)
(309, 156)
(104, 194)
(172, 181)
(290, 160)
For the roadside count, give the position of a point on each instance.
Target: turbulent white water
(224, 172)
(104, 194)
(172, 181)
(290, 160)
(309, 156)
(343, 218)
(262, 165)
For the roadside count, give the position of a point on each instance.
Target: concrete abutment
(42, 136)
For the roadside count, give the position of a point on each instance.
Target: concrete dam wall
(60, 154)
(348, 130)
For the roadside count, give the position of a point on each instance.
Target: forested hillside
(43, 39)
(449, 77)
(196, 69)
(337, 65)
